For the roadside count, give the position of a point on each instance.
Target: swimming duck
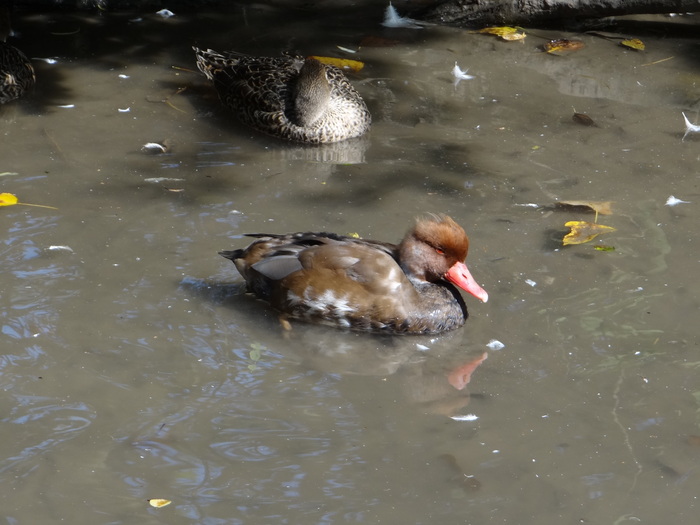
(292, 98)
(16, 72)
(367, 285)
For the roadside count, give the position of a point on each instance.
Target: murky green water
(126, 365)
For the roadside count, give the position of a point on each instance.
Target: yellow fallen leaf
(634, 43)
(341, 63)
(504, 32)
(510, 37)
(582, 231)
(602, 207)
(7, 199)
(498, 31)
(158, 503)
(562, 45)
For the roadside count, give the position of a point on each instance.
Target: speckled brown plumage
(362, 284)
(16, 71)
(292, 98)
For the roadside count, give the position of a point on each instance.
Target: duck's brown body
(362, 284)
(16, 71)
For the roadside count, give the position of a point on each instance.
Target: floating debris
(562, 45)
(125, 110)
(67, 106)
(583, 119)
(58, 248)
(509, 34)
(158, 180)
(47, 60)
(124, 76)
(158, 502)
(346, 49)
(154, 147)
(165, 13)
(602, 207)
(689, 127)
(341, 63)
(633, 43)
(583, 231)
(495, 344)
(465, 417)
(392, 19)
(460, 75)
(673, 201)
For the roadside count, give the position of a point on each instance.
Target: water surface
(134, 367)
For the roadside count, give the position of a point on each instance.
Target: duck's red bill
(459, 276)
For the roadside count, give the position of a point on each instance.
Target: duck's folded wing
(279, 267)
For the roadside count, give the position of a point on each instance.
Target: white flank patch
(342, 305)
(292, 298)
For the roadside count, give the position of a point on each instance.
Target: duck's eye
(440, 251)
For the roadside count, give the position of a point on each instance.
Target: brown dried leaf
(602, 207)
(583, 119)
(563, 45)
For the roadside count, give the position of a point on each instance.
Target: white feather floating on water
(689, 127)
(466, 417)
(495, 344)
(392, 19)
(673, 201)
(158, 180)
(154, 147)
(460, 75)
(59, 248)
